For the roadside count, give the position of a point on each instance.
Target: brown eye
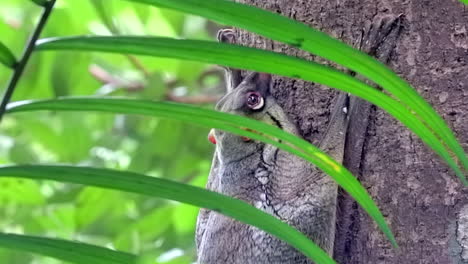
(254, 100)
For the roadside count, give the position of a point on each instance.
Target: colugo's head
(251, 98)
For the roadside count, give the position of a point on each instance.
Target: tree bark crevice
(418, 194)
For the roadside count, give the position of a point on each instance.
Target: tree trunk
(422, 200)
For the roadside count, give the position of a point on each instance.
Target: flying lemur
(269, 178)
(276, 181)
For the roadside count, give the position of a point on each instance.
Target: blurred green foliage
(160, 148)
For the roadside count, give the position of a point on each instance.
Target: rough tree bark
(421, 198)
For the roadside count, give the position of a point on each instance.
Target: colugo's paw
(226, 35)
(211, 137)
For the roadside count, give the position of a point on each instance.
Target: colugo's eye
(255, 100)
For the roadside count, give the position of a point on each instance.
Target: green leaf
(261, 61)
(184, 218)
(92, 203)
(102, 11)
(148, 227)
(55, 219)
(40, 2)
(6, 56)
(21, 192)
(292, 32)
(228, 122)
(464, 1)
(141, 184)
(73, 252)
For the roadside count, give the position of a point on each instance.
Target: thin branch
(114, 30)
(194, 99)
(106, 77)
(138, 65)
(19, 69)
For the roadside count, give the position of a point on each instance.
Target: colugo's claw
(212, 138)
(245, 139)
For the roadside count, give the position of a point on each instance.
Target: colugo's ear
(264, 82)
(233, 76)
(261, 82)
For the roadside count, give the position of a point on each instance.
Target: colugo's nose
(211, 137)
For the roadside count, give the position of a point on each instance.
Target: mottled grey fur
(271, 179)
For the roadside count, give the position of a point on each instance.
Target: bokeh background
(160, 148)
